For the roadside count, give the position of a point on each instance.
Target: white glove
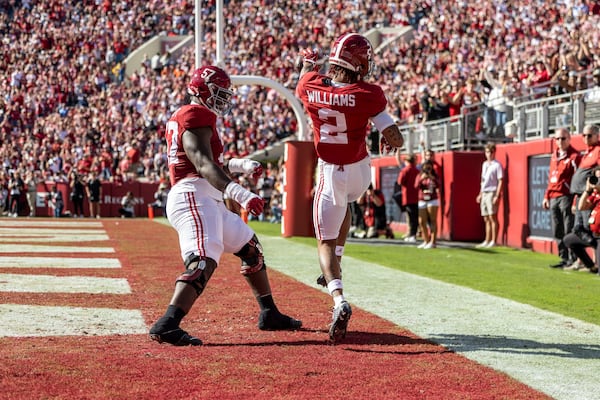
(246, 166)
(253, 203)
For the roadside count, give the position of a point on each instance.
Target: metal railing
(531, 120)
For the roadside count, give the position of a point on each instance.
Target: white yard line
(33, 320)
(20, 222)
(557, 355)
(49, 230)
(50, 234)
(68, 321)
(23, 283)
(48, 237)
(34, 248)
(58, 262)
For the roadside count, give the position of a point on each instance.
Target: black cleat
(339, 324)
(561, 264)
(269, 320)
(176, 337)
(321, 281)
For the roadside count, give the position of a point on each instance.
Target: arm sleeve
(382, 120)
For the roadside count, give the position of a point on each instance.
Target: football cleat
(339, 324)
(176, 337)
(273, 320)
(322, 281)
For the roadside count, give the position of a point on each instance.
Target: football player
(195, 208)
(341, 105)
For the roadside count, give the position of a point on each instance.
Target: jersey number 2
(336, 132)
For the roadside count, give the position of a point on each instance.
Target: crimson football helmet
(212, 85)
(354, 52)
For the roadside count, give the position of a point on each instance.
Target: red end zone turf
(377, 359)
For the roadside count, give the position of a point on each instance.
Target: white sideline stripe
(49, 237)
(68, 321)
(34, 248)
(49, 231)
(554, 354)
(58, 262)
(19, 222)
(21, 283)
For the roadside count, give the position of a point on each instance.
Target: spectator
(31, 187)
(357, 221)
(160, 198)
(489, 194)
(583, 238)
(429, 155)
(344, 164)
(77, 193)
(410, 195)
(127, 209)
(497, 102)
(94, 194)
(266, 185)
(558, 197)
(15, 187)
(375, 217)
(276, 208)
(428, 189)
(198, 184)
(581, 84)
(56, 202)
(593, 96)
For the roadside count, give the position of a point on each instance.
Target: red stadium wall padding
(110, 200)
(300, 162)
(460, 218)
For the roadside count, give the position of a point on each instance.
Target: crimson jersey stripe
(317, 203)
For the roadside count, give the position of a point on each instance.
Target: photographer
(374, 213)
(590, 160)
(582, 238)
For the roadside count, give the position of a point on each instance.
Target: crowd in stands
(67, 103)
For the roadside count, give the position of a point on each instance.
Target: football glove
(385, 147)
(253, 203)
(311, 56)
(246, 166)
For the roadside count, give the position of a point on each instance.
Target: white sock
(337, 300)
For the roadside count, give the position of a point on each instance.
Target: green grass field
(519, 275)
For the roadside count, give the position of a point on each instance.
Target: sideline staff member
(558, 197)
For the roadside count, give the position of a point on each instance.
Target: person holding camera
(374, 213)
(558, 198)
(589, 160)
(579, 240)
